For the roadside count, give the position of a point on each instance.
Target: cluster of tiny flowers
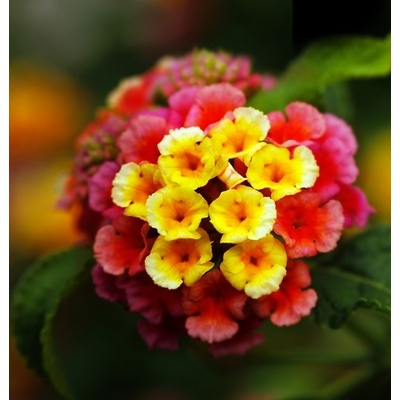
(203, 211)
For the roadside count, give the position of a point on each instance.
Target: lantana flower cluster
(202, 210)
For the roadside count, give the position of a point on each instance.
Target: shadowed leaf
(356, 274)
(324, 63)
(34, 305)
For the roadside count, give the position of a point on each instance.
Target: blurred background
(64, 59)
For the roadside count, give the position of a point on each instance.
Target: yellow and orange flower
(132, 186)
(172, 263)
(188, 158)
(255, 266)
(176, 212)
(239, 137)
(242, 213)
(284, 174)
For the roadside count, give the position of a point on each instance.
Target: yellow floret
(237, 138)
(273, 167)
(188, 158)
(172, 263)
(132, 186)
(176, 212)
(257, 267)
(242, 213)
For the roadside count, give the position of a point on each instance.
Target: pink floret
(120, 246)
(100, 186)
(214, 307)
(355, 205)
(308, 226)
(293, 301)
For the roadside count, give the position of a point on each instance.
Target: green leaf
(356, 274)
(325, 63)
(35, 302)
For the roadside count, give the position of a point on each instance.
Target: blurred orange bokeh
(46, 110)
(37, 226)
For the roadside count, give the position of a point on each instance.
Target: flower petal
(257, 267)
(212, 102)
(119, 247)
(214, 307)
(293, 300)
(188, 158)
(176, 212)
(133, 185)
(284, 174)
(242, 213)
(307, 225)
(235, 138)
(171, 263)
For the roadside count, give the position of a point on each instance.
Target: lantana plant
(214, 198)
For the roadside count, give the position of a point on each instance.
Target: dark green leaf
(35, 302)
(356, 274)
(324, 63)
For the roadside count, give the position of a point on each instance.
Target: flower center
(185, 257)
(192, 162)
(254, 261)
